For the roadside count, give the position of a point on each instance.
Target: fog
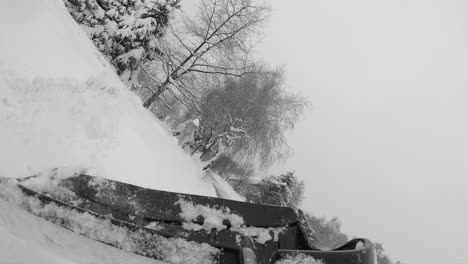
(385, 144)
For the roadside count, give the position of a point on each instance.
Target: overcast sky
(385, 145)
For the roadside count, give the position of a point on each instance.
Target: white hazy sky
(385, 145)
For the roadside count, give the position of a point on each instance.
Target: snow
(260, 235)
(215, 217)
(299, 259)
(62, 106)
(223, 189)
(359, 245)
(26, 238)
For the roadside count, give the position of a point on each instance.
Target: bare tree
(248, 117)
(218, 40)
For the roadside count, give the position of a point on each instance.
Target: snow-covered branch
(216, 41)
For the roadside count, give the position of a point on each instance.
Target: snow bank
(62, 106)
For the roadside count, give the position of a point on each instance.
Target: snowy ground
(26, 238)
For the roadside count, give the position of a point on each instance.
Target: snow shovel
(154, 222)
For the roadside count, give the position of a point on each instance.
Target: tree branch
(216, 72)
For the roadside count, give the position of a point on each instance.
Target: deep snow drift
(62, 106)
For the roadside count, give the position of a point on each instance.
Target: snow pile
(299, 259)
(62, 106)
(88, 125)
(171, 250)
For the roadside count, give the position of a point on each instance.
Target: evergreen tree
(125, 31)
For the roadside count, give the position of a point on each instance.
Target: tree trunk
(161, 88)
(153, 97)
